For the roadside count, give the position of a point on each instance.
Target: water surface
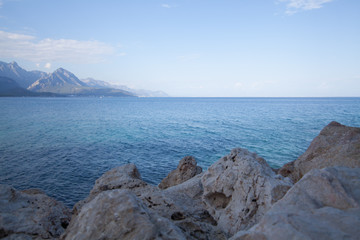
(62, 145)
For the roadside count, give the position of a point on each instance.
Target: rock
(181, 205)
(324, 204)
(185, 170)
(119, 214)
(336, 145)
(240, 188)
(30, 214)
(122, 177)
(192, 216)
(192, 189)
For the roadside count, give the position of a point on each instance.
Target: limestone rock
(181, 205)
(240, 188)
(185, 170)
(336, 145)
(119, 214)
(30, 214)
(122, 177)
(324, 204)
(192, 216)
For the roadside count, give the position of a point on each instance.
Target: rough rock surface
(240, 188)
(30, 214)
(180, 205)
(186, 169)
(118, 214)
(336, 145)
(324, 204)
(122, 177)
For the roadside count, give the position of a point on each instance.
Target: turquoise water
(62, 145)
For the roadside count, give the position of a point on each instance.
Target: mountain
(21, 76)
(64, 82)
(90, 82)
(148, 93)
(10, 88)
(60, 81)
(138, 92)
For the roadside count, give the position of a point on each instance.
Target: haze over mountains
(16, 81)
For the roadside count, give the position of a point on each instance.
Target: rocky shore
(240, 196)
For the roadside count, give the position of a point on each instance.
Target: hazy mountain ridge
(138, 92)
(64, 82)
(10, 88)
(60, 81)
(21, 76)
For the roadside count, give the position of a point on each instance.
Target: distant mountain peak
(61, 70)
(21, 76)
(66, 73)
(13, 65)
(62, 81)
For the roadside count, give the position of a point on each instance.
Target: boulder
(185, 170)
(30, 214)
(122, 177)
(336, 145)
(119, 214)
(192, 216)
(239, 189)
(180, 205)
(324, 204)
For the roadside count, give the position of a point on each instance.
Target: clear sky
(192, 48)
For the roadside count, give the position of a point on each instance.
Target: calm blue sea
(62, 145)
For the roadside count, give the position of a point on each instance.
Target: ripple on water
(62, 145)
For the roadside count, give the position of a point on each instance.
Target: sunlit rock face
(240, 188)
(336, 145)
(324, 204)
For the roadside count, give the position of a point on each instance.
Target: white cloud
(293, 6)
(14, 36)
(13, 45)
(47, 65)
(165, 5)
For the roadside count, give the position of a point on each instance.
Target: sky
(192, 48)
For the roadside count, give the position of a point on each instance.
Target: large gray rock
(240, 188)
(186, 169)
(30, 214)
(336, 145)
(181, 205)
(324, 204)
(122, 177)
(118, 214)
(191, 215)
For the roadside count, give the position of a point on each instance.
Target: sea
(62, 145)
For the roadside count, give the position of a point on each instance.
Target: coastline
(211, 204)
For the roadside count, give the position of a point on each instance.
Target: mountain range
(16, 81)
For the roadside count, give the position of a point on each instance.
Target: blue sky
(192, 48)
